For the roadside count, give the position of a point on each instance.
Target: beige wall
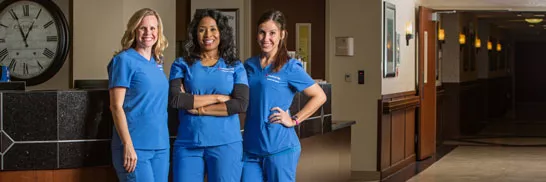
(97, 35)
(351, 101)
(244, 16)
(405, 80)
(61, 80)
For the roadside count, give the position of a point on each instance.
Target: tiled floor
(503, 151)
(487, 163)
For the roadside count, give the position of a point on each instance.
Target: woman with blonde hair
(138, 91)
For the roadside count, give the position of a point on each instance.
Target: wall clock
(34, 39)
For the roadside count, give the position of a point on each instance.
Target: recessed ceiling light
(533, 20)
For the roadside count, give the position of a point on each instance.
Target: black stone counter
(54, 129)
(73, 128)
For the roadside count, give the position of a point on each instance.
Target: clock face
(33, 39)
(28, 39)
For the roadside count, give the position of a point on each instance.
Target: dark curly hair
(226, 49)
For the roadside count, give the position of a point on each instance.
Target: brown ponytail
(282, 51)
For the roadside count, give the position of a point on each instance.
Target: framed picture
(303, 43)
(389, 33)
(233, 21)
(397, 47)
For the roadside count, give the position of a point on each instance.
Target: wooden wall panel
(410, 133)
(314, 14)
(92, 174)
(398, 136)
(385, 141)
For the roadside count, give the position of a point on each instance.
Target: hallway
(503, 151)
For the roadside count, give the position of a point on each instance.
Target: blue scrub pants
(152, 166)
(221, 163)
(279, 167)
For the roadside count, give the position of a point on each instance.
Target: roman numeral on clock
(48, 53)
(3, 54)
(52, 38)
(2, 40)
(3, 25)
(26, 10)
(40, 65)
(38, 13)
(12, 64)
(25, 71)
(49, 23)
(13, 15)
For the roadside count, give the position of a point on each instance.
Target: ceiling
(506, 14)
(509, 5)
(512, 20)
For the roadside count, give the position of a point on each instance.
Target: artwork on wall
(397, 46)
(303, 44)
(389, 33)
(397, 59)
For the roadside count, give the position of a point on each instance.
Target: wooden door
(426, 126)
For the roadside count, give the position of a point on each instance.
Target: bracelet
(295, 118)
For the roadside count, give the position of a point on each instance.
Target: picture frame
(397, 48)
(389, 36)
(303, 43)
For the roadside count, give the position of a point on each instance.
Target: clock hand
(22, 35)
(20, 28)
(29, 29)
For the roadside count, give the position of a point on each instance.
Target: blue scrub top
(202, 131)
(269, 90)
(146, 99)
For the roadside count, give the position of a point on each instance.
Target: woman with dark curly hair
(208, 86)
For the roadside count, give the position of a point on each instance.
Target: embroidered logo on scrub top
(273, 78)
(160, 66)
(227, 70)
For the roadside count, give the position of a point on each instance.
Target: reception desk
(63, 133)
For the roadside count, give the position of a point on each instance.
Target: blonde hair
(129, 37)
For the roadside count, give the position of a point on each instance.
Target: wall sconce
(441, 35)
(489, 45)
(499, 47)
(462, 39)
(478, 44)
(409, 33)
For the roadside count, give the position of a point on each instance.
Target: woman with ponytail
(271, 146)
